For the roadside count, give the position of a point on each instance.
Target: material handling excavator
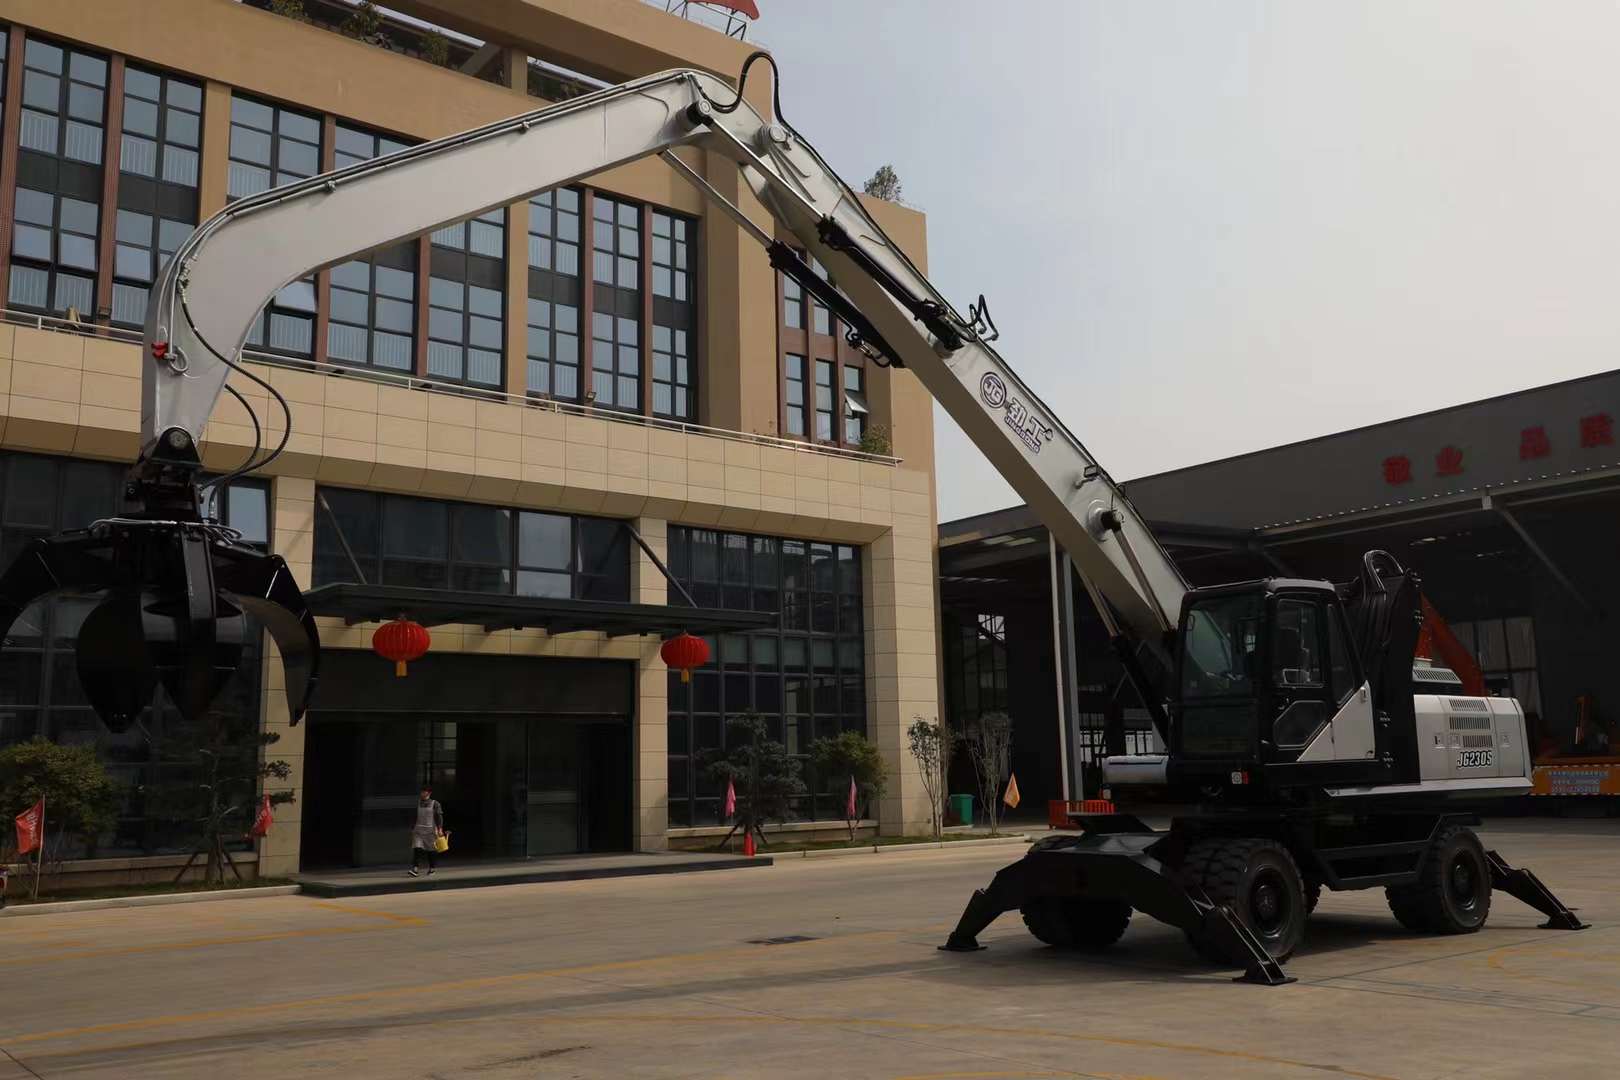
(1287, 709)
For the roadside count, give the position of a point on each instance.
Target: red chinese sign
(1448, 462)
(1596, 430)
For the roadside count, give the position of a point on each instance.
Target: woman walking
(426, 832)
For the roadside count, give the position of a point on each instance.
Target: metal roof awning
(356, 603)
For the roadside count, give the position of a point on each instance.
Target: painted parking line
(391, 919)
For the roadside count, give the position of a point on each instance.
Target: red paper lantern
(401, 641)
(684, 652)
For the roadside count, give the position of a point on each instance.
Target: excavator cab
(1269, 690)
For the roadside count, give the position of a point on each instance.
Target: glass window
(54, 247)
(855, 410)
(401, 540)
(674, 311)
(795, 395)
(821, 319)
(824, 400)
(671, 256)
(467, 301)
(373, 300)
(1296, 655)
(615, 361)
(805, 681)
(792, 303)
(271, 146)
(1218, 647)
(553, 349)
(554, 232)
(616, 243)
(64, 102)
(162, 128)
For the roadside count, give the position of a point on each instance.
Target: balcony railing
(413, 382)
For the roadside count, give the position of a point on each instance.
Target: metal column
(1066, 669)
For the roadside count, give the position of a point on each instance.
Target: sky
(1206, 229)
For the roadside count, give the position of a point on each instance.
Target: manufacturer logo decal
(1018, 416)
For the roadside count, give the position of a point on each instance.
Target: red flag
(30, 828)
(849, 807)
(263, 820)
(731, 799)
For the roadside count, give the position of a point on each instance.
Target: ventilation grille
(1469, 723)
(1486, 741)
(1467, 705)
(1436, 676)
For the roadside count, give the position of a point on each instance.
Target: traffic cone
(748, 844)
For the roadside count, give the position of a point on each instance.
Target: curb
(63, 907)
(899, 849)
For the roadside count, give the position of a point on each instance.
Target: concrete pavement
(675, 977)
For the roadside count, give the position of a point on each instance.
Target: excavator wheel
(1452, 894)
(1067, 922)
(1260, 882)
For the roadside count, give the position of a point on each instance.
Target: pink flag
(731, 799)
(849, 807)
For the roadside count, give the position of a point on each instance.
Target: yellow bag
(441, 843)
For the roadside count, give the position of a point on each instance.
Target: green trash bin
(962, 809)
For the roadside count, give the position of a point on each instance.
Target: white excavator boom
(211, 291)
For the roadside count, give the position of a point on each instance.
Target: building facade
(1507, 508)
(494, 417)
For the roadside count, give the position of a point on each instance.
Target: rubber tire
(1313, 896)
(1077, 923)
(1225, 869)
(1430, 905)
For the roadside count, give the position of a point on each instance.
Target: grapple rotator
(177, 594)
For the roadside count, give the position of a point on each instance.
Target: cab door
(1302, 709)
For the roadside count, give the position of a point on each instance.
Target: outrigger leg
(1524, 885)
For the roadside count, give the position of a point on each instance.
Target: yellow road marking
(440, 989)
(61, 953)
(708, 1020)
(479, 983)
(183, 945)
(349, 909)
(1497, 961)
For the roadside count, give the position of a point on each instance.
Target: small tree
(228, 769)
(436, 48)
(875, 440)
(989, 744)
(926, 741)
(764, 774)
(851, 754)
(364, 22)
(80, 798)
(291, 9)
(885, 185)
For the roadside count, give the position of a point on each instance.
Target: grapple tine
(265, 589)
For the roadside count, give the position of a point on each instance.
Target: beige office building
(480, 417)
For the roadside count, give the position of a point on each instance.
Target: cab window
(1296, 658)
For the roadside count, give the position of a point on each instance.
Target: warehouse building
(488, 423)
(1508, 508)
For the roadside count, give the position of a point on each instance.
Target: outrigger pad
(1523, 885)
(175, 600)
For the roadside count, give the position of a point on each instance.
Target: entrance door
(513, 783)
